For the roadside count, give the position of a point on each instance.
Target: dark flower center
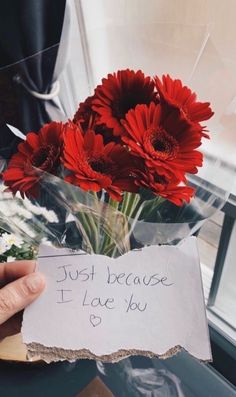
(101, 166)
(45, 157)
(160, 144)
(160, 179)
(129, 100)
(121, 106)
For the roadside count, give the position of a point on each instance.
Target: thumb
(17, 295)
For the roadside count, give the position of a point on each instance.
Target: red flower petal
(85, 116)
(170, 189)
(43, 151)
(119, 93)
(88, 119)
(95, 166)
(175, 94)
(165, 141)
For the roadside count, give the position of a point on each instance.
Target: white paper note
(146, 300)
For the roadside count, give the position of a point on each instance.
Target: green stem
(90, 223)
(129, 203)
(85, 230)
(149, 207)
(109, 221)
(128, 209)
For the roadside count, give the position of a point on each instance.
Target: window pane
(225, 304)
(208, 240)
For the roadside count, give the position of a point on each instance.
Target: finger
(15, 296)
(13, 270)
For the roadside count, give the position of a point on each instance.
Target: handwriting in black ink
(81, 275)
(131, 305)
(95, 320)
(107, 303)
(131, 279)
(62, 294)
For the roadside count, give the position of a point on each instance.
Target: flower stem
(129, 204)
(109, 229)
(128, 209)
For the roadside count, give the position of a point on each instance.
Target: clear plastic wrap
(66, 215)
(140, 382)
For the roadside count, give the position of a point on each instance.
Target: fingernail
(35, 282)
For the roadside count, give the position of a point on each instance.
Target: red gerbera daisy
(174, 93)
(164, 140)
(95, 166)
(119, 93)
(87, 118)
(170, 189)
(39, 151)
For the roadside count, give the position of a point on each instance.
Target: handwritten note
(149, 300)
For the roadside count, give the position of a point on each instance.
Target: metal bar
(230, 207)
(220, 259)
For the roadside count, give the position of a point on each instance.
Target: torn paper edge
(55, 354)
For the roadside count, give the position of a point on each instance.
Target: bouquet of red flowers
(123, 162)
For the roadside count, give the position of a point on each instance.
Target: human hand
(19, 286)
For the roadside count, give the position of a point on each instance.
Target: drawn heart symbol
(95, 320)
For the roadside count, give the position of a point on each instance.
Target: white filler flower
(7, 241)
(11, 259)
